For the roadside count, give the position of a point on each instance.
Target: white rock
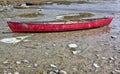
(10, 40)
(117, 71)
(52, 72)
(96, 65)
(25, 61)
(5, 72)
(5, 62)
(113, 36)
(76, 52)
(104, 58)
(72, 46)
(52, 65)
(111, 58)
(54, 45)
(9, 73)
(14, 39)
(16, 72)
(36, 65)
(18, 62)
(59, 17)
(63, 72)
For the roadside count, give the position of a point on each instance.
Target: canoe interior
(60, 21)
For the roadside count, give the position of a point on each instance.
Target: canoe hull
(39, 27)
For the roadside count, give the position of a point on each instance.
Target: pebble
(96, 65)
(76, 52)
(118, 71)
(9, 73)
(59, 17)
(25, 61)
(18, 62)
(36, 65)
(16, 72)
(54, 45)
(72, 46)
(111, 58)
(53, 66)
(52, 72)
(62, 72)
(5, 62)
(5, 72)
(114, 36)
(104, 58)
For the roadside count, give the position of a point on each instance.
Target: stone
(72, 46)
(96, 65)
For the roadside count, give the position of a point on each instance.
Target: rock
(104, 58)
(114, 36)
(118, 71)
(5, 62)
(58, 72)
(111, 58)
(16, 72)
(72, 46)
(18, 62)
(52, 72)
(62, 72)
(76, 52)
(59, 17)
(5, 72)
(53, 66)
(54, 45)
(9, 73)
(35, 65)
(25, 61)
(96, 65)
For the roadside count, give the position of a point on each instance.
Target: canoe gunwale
(65, 22)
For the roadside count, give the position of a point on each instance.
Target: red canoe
(55, 26)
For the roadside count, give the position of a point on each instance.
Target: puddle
(75, 16)
(14, 39)
(31, 15)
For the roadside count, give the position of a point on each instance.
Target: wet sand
(99, 48)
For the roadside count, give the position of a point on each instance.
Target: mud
(99, 48)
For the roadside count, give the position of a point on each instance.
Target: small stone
(10, 67)
(5, 62)
(104, 58)
(36, 65)
(113, 36)
(111, 58)
(16, 72)
(72, 46)
(118, 71)
(54, 45)
(63, 72)
(76, 52)
(9, 73)
(59, 17)
(52, 72)
(5, 72)
(96, 65)
(52, 65)
(25, 61)
(18, 62)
